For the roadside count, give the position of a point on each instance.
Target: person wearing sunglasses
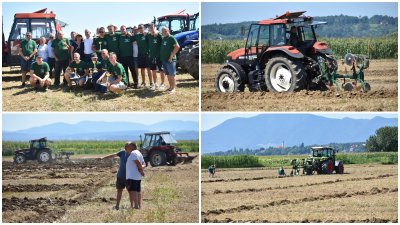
(100, 42)
(27, 51)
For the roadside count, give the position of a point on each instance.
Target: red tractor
(39, 23)
(283, 55)
(159, 149)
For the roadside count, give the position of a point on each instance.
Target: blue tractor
(185, 28)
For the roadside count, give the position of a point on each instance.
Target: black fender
(337, 163)
(280, 50)
(238, 70)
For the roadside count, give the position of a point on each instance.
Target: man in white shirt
(87, 43)
(50, 60)
(134, 175)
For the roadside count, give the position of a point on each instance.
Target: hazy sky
(210, 120)
(19, 121)
(82, 15)
(250, 11)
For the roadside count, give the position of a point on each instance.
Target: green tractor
(323, 161)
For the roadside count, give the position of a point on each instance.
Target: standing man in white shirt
(87, 43)
(134, 174)
(50, 56)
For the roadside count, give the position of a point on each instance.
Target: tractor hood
(187, 36)
(321, 47)
(290, 50)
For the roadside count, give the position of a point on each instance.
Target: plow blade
(184, 157)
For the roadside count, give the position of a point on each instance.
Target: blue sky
(20, 121)
(83, 15)
(210, 120)
(229, 12)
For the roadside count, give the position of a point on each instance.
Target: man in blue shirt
(121, 174)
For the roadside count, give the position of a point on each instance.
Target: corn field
(375, 48)
(237, 161)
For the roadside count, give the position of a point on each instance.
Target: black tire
(340, 168)
(294, 81)
(158, 158)
(182, 59)
(44, 156)
(227, 80)
(19, 159)
(328, 167)
(193, 62)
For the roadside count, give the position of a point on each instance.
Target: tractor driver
(294, 38)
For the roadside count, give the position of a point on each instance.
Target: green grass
(245, 161)
(90, 147)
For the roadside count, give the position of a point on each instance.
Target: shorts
(26, 65)
(133, 185)
(155, 64)
(169, 68)
(119, 85)
(120, 183)
(143, 61)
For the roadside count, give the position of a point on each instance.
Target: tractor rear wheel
(44, 156)
(158, 158)
(340, 168)
(328, 167)
(227, 80)
(284, 75)
(19, 159)
(193, 58)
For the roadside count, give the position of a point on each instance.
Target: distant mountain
(337, 27)
(273, 129)
(89, 130)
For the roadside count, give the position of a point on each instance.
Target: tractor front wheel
(158, 158)
(284, 75)
(327, 167)
(227, 80)
(19, 159)
(340, 168)
(44, 156)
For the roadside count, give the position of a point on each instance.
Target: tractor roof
(287, 18)
(179, 13)
(40, 139)
(40, 14)
(319, 148)
(158, 133)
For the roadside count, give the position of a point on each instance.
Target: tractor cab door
(252, 43)
(194, 22)
(307, 39)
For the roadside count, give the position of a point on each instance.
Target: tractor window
(41, 27)
(163, 23)
(278, 35)
(146, 142)
(177, 26)
(20, 29)
(252, 39)
(168, 139)
(308, 34)
(263, 41)
(36, 145)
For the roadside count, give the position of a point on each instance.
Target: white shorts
(119, 85)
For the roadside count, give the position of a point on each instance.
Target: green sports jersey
(78, 67)
(117, 70)
(61, 48)
(40, 70)
(167, 46)
(90, 65)
(112, 43)
(28, 47)
(100, 43)
(125, 45)
(154, 43)
(141, 41)
(105, 63)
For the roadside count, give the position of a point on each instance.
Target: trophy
(108, 75)
(100, 45)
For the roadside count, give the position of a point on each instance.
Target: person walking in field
(169, 48)
(211, 171)
(39, 74)
(27, 51)
(154, 40)
(134, 175)
(120, 183)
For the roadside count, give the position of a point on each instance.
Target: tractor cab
(157, 139)
(39, 23)
(38, 143)
(177, 22)
(323, 152)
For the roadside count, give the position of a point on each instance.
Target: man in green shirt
(143, 56)
(27, 51)
(154, 42)
(99, 42)
(112, 39)
(169, 48)
(39, 74)
(117, 80)
(126, 55)
(76, 71)
(60, 47)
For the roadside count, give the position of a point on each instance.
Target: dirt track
(382, 76)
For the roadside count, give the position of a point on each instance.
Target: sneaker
(23, 85)
(135, 86)
(172, 91)
(115, 207)
(46, 89)
(155, 86)
(143, 85)
(162, 87)
(152, 87)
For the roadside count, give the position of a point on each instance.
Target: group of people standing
(102, 61)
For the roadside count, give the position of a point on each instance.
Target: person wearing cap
(169, 48)
(76, 68)
(134, 175)
(27, 51)
(100, 42)
(126, 55)
(78, 46)
(39, 74)
(60, 47)
(117, 81)
(120, 183)
(91, 67)
(87, 44)
(50, 60)
(154, 41)
(143, 55)
(112, 39)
